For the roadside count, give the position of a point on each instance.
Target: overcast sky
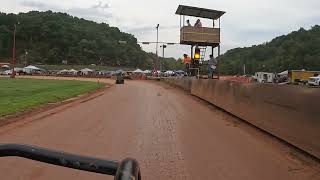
(247, 22)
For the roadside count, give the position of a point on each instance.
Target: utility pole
(25, 58)
(157, 59)
(163, 47)
(13, 75)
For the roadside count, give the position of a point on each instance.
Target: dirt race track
(173, 135)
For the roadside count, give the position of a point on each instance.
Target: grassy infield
(17, 95)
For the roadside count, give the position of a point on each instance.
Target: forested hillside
(50, 38)
(297, 50)
(167, 63)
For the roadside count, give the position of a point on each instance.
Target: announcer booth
(200, 37)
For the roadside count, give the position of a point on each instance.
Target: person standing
(187, 62)
(188, 23)
(198, 24)
(212, 66)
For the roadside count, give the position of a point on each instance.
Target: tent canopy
(284, 73)
(32, 67)
(63, 71)
(73, 70)
(5, 66)
(138, 71)
(119, 71)
(147, 71)
(86, 70)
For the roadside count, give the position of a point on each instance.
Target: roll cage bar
(124, 170)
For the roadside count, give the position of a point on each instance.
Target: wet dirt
(173, 135)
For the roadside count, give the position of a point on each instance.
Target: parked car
(7, 72)
(314, 81)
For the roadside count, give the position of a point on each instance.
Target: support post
(184, 20)
(163, 46)
(212, 51)
(218, 62)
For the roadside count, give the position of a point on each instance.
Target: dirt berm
(290, 113)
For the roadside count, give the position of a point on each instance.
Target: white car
(314, 81)
(7, 72)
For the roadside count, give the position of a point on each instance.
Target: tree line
(295, 51)
(51, 37)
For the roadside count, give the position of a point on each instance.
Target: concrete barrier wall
(289, 113)
(184, 83)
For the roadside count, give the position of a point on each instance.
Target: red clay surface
(236, 79)
(173, 135)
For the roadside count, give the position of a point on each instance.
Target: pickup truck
(314, 81)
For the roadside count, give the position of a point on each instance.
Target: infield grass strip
(17, 95)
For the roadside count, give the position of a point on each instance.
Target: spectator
(188, 23)
(198, 24)
(212, 66)
(187, 62)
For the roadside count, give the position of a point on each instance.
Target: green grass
(17, 95)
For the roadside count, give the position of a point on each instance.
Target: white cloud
(101, 5)
(246, 22)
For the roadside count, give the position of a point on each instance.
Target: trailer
(301, 76)
(264, 77)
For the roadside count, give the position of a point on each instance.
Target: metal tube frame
(124, 170)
